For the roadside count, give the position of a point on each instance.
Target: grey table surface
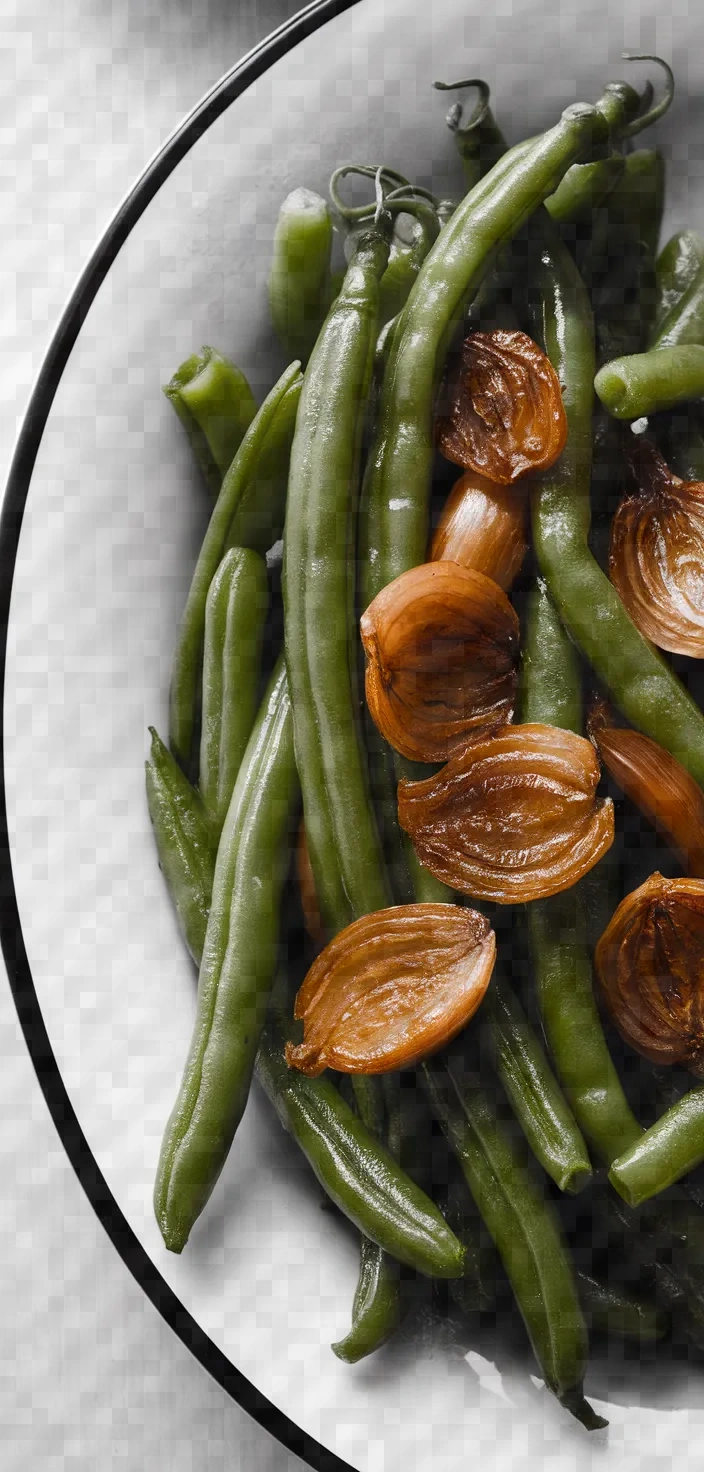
(90, 1375)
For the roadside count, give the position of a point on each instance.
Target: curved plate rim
(206, 112)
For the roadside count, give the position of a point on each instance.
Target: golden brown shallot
(506, 416)
(392, 988)
(650, 962)
(483, 526)
(656, 782)
(441, 643)
(656, 560)
(513, 818)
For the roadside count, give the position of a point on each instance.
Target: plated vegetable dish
(437, 651)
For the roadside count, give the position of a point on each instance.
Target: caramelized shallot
(656, 782)
(441, 643)
(650, 962)
(513, 818)
(483, 526)
(656, 560)
(392, 988)
(506, 414)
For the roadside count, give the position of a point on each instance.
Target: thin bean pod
(533, 1091)
(376, 1309)
(185, 841)
(300, 286)
(235, 614)
(239, 960)
(644, 383)
(399, 466)
(216, 406)
(618, 261)
(639, 680)
(355, 1170)
(562, 968)
(260, 466)
(320, 631)
(684, 323)
(610, 1310)
(671, 1147)
(526, 1234)
(677, 268)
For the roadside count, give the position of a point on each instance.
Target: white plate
(108, 538)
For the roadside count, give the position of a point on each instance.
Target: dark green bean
(355, 1170)
(235, 614)
(639, 680)
(618, 263)
(400, 461)
(584, 188)
(644, 383)
(668, 1150)
(185, 841)
(563, 973)
(300, 286)
(533, 1091)
(320, 629)
(240, 955)
(551, 686)
(684, 323)
(248, 510)
(216, 406)
(612, 1311)
(525, 1231)
(678, 266)
(376, 1310)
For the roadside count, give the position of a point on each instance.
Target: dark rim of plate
(206, 112)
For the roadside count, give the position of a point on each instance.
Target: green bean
(685, 322)
(355, 1170)
(300, 286)
(400, 461)
(216, 406)
(584, 188)
(609, 1309)
(376, 1310)
(639, 680)
(320, 629)
(525, 1232)
(618, 264)
(677, 268)
(645, 383)
(185, 841)
(237, 969)
(250, 503)
(668, 1150)
(563, 980)
(476, 1289)
(235, 614)
(563, 975)
(533, 1091)
(551, 687)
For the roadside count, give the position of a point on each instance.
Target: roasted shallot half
(441, 643)
(656, 561)
(513, 818)
(656, 782)
(483, 526)
(650, 963)
(506, 417)
(392, 988)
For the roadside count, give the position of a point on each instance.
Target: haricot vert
(574, 199)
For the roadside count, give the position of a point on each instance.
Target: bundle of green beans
(247, 753)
